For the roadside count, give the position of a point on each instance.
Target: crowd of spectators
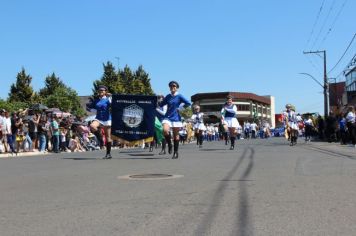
(41, 131)
(337, 128)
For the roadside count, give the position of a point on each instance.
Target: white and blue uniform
(229, 113)
(160, 112)
(197, 119)
(292, 120)
(174, 103)
(102, 108)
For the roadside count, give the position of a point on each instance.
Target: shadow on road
(244, 226)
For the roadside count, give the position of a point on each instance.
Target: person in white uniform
(199, 127)
(228, 113)
(291, 124)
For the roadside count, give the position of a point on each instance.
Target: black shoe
(232, 147)
(163, 152)
(107, 156)
(175, 155)
(151, 149)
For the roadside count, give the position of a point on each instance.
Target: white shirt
(2, 124)
(254, 126)
(350, 117)
(308, 122)
(7, 125)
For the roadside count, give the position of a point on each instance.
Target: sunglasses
(173, 86)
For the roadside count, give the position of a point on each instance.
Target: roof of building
(235, 95)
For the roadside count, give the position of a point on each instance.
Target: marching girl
(199, 127)
(160, 112)
(291, 124)
(103, 117)
(228, 114)
(175, 102)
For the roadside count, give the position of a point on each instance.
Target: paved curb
(336, 147)
(22, 154)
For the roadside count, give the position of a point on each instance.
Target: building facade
(249, 106)
(350, 83)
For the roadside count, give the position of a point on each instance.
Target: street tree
(66, 99)
(52, 82)
(111, 79)
(21, 91)
(12, 106)
(128, 79)
(145, 80)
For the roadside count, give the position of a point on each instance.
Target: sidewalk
(336, 148)
(22, 154)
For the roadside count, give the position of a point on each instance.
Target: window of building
(243, 107)
(210, 108)
(351, 81)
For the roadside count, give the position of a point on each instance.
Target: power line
(312, 63)
(353, 60)
(326, 19)
(343, 53)
(332, 25)
(316, 21)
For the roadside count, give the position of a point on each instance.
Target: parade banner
(133, 117)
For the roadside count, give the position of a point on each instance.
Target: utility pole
(326, 84)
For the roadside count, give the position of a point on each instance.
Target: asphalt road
(264, 187)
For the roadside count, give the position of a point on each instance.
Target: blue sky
(207, 45)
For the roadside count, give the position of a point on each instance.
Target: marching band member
(228, 114)
(175, 102)
(199, 127)
(160, 113)
(103, 117)
(291, 124)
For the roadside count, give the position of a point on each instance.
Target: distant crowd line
(39, 131)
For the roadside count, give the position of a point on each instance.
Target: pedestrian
(8, 132)
(229, 112)
(254, 128)
(308, 126)
(343, 130)
(172, 119)
(247, 129)
(42, 133)
(199, 127)
(33, 129)
(351, 125)
(55, 134)
(103, 117)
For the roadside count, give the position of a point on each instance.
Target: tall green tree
(66, 99)
(128, 79)
(124, 81)
(52, 82)
(138, 87)
(145, 80)
(21, 91)
(12, 106)
(111, 79)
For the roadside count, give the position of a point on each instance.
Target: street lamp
(326, 93)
